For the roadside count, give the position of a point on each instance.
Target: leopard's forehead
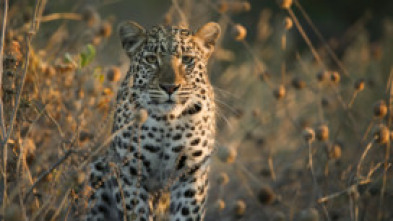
(169, 40)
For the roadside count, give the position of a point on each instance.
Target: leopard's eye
(186, 59)
(151, 59)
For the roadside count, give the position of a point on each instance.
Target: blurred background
(304, 90)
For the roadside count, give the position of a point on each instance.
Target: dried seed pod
(380, 109)
(335, 77)
(381, 134)
(308, 134)
(288, 23)
(322, 132)
(227, 154)
(266, 195)
(310, 214)
(240, 208)
(279, 92)
(322, 75)
(285, 4)
(222, 179)
(298, 83)
(141, 116)
(359, 85)
(239, 32)
(113, 74)
(105, 29)
(219, 205)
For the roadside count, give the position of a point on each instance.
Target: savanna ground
(304, 90)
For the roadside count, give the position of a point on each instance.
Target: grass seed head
(380, 109)
(279, 92)
(322, 132)
(308, 134)
(359, 85)
(240, 208)
(239, 32)
(381, 134)
(266, 195)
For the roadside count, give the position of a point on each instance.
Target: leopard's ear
(208, 36)
(132, 36)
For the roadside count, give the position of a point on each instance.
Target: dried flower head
(380, 109)
(335, 77)
(285, 4)
(359, 84)
(308, 134)
(288, 23)
(113, 74)
(227, 154)
(239, 32)
(222, 179)
(279, 92)
(298, 83)
(322, 75)
(335, 151)
(105, 29)
(219, 205)
(240, 208)
(322, 132)
(266, 195)
(381, 134)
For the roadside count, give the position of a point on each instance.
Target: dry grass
(303, 134)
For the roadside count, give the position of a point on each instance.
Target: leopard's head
(169, 65)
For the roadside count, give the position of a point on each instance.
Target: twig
(3, 130)
(321, 38)
(4, 24)
(368, 147)
(305, 37)
(54, 166)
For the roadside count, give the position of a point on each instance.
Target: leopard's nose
(169, 88)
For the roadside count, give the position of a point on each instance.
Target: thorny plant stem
(4, 24)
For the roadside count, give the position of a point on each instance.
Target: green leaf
(87, 55)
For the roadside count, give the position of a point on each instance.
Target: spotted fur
(170, 149)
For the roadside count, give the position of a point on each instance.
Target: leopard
(164, 127)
